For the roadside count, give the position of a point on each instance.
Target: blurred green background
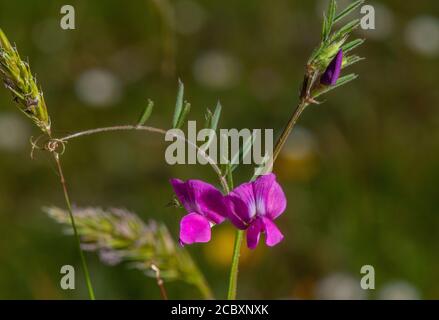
(360, 173)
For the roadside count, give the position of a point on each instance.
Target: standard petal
(270, 198)
(254, 233)
(237, 211)
(181, 190)
(194, 228)
(272, 234)
(246, 208)
(201, 197)
(208, 199)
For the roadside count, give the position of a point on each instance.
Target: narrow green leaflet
(345, 30)
(352, 45)
(212, 123)
(351, 60)
(328, 20)
(178, 104)
(146, 113)
(244, 149)
(216, 116)
(183, 115)
(341, 81)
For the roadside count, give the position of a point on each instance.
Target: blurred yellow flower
(220, 248)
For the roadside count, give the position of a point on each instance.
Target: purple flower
(332, 72)
(205, 206)
(253, 206)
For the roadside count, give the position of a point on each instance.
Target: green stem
(233, 279)
(288, 128)
(72, 220)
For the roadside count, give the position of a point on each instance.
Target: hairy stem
(72, 220)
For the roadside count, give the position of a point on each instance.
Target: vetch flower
(205, 206)
(253, 206)
(332, 72)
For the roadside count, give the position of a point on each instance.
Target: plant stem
(72, 220)
(288, 128)
(234, 268)
(160, 283)
(233, 279)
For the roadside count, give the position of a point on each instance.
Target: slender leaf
(352, 45)
(330, 17)
(146, 113)
(348, 10)
(212, 123)
(325, 31)
(178, 104)
(216, 116)
(208, 116)
(345, 30)
(183, 115)
(244, 149)
(351, 60)
(341, 81)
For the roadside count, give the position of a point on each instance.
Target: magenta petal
(245, 209)
(254, 233)
(194, 228)
(332, 72)
(201, 197)
(182, 192)
(272, 234)
(210, 200)
(270, 198)
(237, 211)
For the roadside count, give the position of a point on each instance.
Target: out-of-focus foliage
(120, 236)
(360, 173)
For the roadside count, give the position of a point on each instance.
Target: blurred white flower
(14, 133)
(422, 35)
(398, 290)
(98, 88)
(340, 286)
(190, 16)
(216, 70)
